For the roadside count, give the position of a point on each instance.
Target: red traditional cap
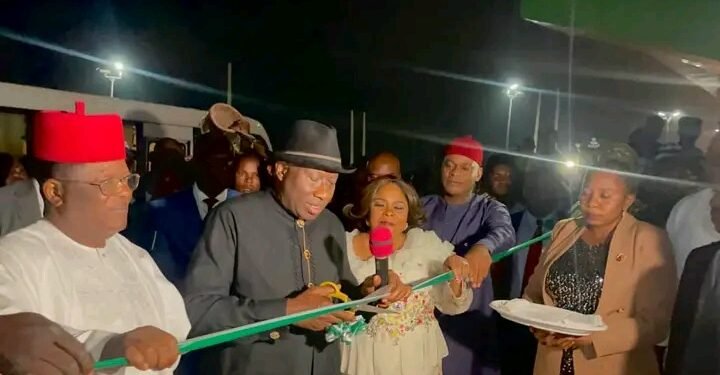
(63, 137)
(466, 146)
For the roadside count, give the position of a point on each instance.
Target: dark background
(316, 58)
(420, 67)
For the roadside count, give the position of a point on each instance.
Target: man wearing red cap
(73, 267)
(478, 226)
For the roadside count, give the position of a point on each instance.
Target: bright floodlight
(677, 113)
(570, 164)
(112, 75)
(717, 130)
(513, 90)
(662, 114)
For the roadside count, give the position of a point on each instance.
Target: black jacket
(247, 262)
(694, 346)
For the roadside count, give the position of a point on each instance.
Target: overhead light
(570, 164)
(717, 130)
(667, 116)
(514, 84)
(113, 75)
(513, 89)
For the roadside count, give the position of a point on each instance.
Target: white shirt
(41, 201)
(525, 232)
(689, 226)
(94, 293)
(200, 198)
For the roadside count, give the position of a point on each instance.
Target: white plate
(548, 318)
(545, 327)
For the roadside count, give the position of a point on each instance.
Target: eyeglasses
(113, 186)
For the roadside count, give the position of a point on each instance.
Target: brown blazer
(636, 301)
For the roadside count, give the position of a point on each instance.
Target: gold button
(620, 257)
(307, 254)
(275, 335)
(300, 223)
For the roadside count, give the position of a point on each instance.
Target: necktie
(210, 202)
(533, 256)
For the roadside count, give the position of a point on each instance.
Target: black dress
(575, 283)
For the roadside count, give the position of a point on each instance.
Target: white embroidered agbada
(94, 293)
(409, 343)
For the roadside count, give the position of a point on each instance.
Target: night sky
(319, 59)
(315, 54)
(294, 59)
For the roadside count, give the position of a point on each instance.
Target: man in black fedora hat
(264, 254)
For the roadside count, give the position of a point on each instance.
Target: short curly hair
(621, 158)
(361, 211)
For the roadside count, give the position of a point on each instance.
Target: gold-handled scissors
(339, 297)
(336, 294)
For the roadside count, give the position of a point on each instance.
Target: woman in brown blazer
(610, 264)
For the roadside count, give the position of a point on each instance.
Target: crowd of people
(99, 262)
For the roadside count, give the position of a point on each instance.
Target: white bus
(144, 122)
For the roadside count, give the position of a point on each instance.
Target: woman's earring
(406, 226)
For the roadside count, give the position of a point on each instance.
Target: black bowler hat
(313, 145)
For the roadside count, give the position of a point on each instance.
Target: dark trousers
(517, 348)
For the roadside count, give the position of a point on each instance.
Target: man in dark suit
(170, 227)
(694, 327)
(694, 338)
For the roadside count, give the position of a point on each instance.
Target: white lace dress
(408, 343)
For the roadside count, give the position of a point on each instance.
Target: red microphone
(381, 247)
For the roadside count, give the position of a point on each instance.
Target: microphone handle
(381, 268)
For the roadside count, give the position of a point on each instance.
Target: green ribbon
(345, 331)
(502, 255)
(222, 337)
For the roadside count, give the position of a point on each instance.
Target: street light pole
(112, 87)
(512, 92)
(509, 122)
(112, 75)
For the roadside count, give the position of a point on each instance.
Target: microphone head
(381, 244)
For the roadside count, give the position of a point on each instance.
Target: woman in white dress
(409, 342)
